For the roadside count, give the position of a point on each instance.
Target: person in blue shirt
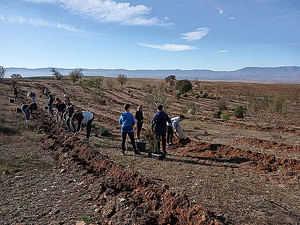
(127, 122)
(159, 124)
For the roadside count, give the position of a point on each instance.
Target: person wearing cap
(50, 104)
(127, 122)
(83, 117)
(159, 126)
(32, 95)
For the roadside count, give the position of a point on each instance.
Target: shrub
(122, 79)
(221, 104)
(76, 74)
(239, 111)
(217, 114)
(183, 86)
(104, 132)
(16, 76)
(225, 116)
(204, 95)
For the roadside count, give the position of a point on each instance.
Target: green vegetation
(183, 86)
(239, 112)
(217, 114)
(225, 116)
(76, 74)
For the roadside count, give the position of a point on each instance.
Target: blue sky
(148, 34)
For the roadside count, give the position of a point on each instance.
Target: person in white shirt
(177, 128)
(84, 117)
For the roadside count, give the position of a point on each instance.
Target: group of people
(161, 124)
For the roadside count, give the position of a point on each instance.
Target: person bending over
(84, 117)
(27, 109)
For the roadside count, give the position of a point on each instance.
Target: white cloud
(223, 51)
(196, 35)
(37, 22)
(169, 47)
(109, 11)
(221, 11)
(232, 17)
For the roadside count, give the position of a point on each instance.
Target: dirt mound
(124, 197)
(225, 153)
(265, 144)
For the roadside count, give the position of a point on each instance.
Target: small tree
(170, 80)
(2, 72)
(76, 74)
(183, 86)
(122, 79)
(96, 83)
(16, 76)
(56, 74)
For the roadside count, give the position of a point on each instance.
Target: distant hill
(284, 74)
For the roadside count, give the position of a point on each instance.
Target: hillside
(234, 170)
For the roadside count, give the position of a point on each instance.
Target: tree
(76, 74)
(2, 72)
(16, 76)
(183, 86)
(171, 80)
(122, 79)
(96, 83)
(57, 74)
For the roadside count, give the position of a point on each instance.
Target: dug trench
(124, 197)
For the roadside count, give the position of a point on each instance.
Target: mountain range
(283, 74)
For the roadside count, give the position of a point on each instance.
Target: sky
(150, 34)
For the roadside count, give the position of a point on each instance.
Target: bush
(104, 132)
(217, 114)
(221, 104)
(76, 74)
(205, 95)
(183, 86)
(170, 79)
(16, 76)
(122, 79)
(225, 116)
(239, 111)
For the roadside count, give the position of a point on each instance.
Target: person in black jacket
(139, 121)
(159, 124)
